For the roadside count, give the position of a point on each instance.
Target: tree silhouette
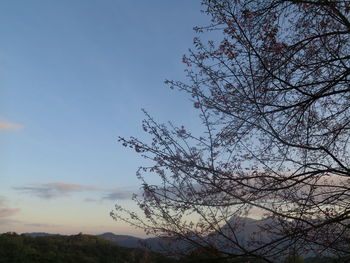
(273, 95)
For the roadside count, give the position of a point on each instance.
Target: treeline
(16, 248)
(83, 248)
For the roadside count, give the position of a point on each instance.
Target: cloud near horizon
(118, 194)
(57, 189)
(42, 225)
(8, 221)
(9, 126)
(2, 200)
(6, 212)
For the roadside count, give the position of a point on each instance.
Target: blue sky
(74, 75)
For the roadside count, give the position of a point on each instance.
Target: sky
(74, 75)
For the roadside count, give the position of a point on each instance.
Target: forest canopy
(65, 249)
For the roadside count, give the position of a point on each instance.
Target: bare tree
(274, 99)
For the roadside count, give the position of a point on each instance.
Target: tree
(274, 99)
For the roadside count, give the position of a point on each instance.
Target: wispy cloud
(5, 125)
(90, 200)
(42, 225)
(59, 189)
(2, 200)
(117, 194)
(52, 190)
(8, 221)
(6, 212)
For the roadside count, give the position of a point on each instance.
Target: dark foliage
(70, 249)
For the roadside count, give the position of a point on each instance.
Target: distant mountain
(248, 228)
(123, 240)
(154, 243)
(245, 231)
